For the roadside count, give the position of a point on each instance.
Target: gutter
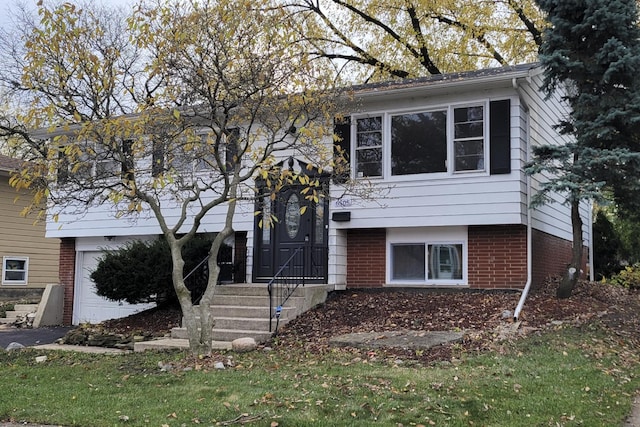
(527, 286)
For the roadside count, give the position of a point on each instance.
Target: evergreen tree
(607, 247)
(590, 50)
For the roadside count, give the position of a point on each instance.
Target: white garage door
(91, 308)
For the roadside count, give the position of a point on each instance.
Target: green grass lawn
(562, 378)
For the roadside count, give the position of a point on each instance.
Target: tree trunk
(571, 276)
(199, 320)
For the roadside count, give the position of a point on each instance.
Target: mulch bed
(479, 313)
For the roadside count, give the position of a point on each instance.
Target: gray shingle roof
(9, 164)
(445, 78)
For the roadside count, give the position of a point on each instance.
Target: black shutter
(157, 163)
(342, 147)
(500, 136)
(232, 148)
(127, 173)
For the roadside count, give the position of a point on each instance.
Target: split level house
(447, 154)
(29, 260)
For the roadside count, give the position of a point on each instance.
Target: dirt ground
(483, 315)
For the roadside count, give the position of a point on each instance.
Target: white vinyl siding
(553, 218)
(405, 200)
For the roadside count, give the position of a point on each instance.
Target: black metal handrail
(231, 271)
(282, 286)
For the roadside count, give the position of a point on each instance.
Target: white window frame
(23, 282)
(201, 165)
(386, 141)
(107, 164)
(451, 139)
(427, 236)
(90, 164)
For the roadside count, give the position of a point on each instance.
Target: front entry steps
(22, 314)
(242, 310)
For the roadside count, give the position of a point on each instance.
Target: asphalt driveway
(31, 337)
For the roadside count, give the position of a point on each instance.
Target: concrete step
(242, 310)
(29, 308)
(255, 289)
(14, 314)
(242, 289)
(242, 323)
(232, 334)
(19, 312)
(248, 311)
(226, 335)
(296, 303)
(248, 300)
(175, 343)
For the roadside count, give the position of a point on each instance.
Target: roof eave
(433, 86)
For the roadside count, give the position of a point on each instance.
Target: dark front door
(295, 238)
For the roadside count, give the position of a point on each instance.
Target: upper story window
(14, 270)
(94, 161)
(200, 154)
(468, 138)
(369, 147)
(456, 139)
(419, 143)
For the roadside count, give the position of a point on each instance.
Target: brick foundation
(67, 276)
(497, 256)
(551, 256)
(366, 258)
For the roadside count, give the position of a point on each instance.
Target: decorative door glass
(292, 215)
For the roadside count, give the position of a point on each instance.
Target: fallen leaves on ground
(480, 313)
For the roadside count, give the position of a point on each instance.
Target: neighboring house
(29, 260)
(448, 150)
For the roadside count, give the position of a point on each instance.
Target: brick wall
(551, 256)
(366, 258)
(67, 276)
(497, 256)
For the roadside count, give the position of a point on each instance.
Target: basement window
(426, 256)
(15, 270)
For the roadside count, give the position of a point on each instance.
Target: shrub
(607, 246)
(629, 277)
(140, 272)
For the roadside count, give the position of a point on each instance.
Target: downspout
(592, 273)
(527, 286)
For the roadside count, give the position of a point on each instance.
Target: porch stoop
(242, 310)
(19, 313)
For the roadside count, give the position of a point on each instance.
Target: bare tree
(378, 39)
(179, 107)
